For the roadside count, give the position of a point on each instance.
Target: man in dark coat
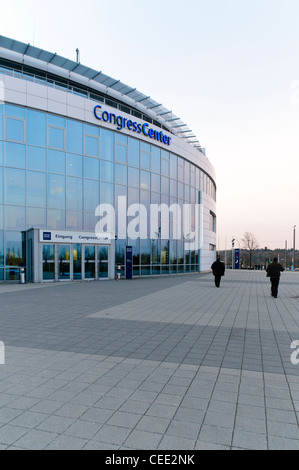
(218, 269)
(273, 271)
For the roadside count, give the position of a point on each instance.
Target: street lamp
(294, 236)
(233, 246)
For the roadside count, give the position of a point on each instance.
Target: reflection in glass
(36, 128)
(74, 165)
(74, 195)
(121, 153)
(36, 184)
(77, 262)
(56, 138)
(91, 146)
(48, 262)
(56, 162)
(56, 192)
(14, 155)
(91, 195)
(74, 220)
(91, 168)
(106, 173)
(64, 262)
(121, 174)
(74, 137)
(133, 152)
(14, 129)
(107, 145)
(35, 217)
(36, 158)
(55, 219)
(90, 257)
(14, 186)
(103, 262)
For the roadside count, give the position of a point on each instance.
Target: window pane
(1, 121)
(36, 158)
(121, 153)
(1, 218)
(164, 185)
(91, 168)
(36, 128)
(14, 155)
(133, 177)
(74, 220)
(13, 249)
(14, 186)
(14, 129)
(173, 167)
(55, 219)
(1, 185)
(106, 173)
(91, 146)
(156, 160)
(107, 196)
(91, 195)
(56, 138)
(36, 192)
(91, 130)
(56, 162)
(74, 137)
(15, 111)
(15, 217)
(35, 217)
(121, 174)
(74, 165)
(1, 251)
(145, 180)
(156, 186)
(121, 139)
(107, 145)
(74, 196)
(133, 152)
(56, 121)
(145, 161)
(56, 192)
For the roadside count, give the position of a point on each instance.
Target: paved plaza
(159, 364)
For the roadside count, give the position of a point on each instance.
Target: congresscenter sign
(133, 126)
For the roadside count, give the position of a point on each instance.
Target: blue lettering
(96, 112)
(119, 122)
(129, 125)
(105, 116)
(135, 126)
(143, 129)
(139, 127)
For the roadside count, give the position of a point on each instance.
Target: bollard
(22, 276)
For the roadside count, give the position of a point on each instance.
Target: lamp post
(294, 237)
(233, 246)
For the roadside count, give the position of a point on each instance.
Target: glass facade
(55, 171)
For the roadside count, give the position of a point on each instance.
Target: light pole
(294, 237)
(233, 246)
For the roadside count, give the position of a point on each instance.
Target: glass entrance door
(77, 262)
(103, 262)
(48, 262)
(89, 262)
(64, 264)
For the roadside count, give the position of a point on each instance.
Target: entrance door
(64, 263)
(48, 262)
(77, 262)
(89, 262)
(103, 262)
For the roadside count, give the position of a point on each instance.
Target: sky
(228, 68)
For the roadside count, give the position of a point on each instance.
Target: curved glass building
(96, 178)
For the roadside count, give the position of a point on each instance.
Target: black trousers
(274, 286)
(217, 280)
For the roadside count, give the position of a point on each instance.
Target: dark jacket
(218, 268)
(274, 269)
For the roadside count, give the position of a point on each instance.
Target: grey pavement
(168, 363)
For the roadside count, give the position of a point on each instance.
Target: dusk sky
(228, 68)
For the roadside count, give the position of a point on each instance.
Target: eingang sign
(133, 126)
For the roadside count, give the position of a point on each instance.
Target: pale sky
(228, 68)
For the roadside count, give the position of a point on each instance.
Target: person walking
(273, 272)
(218, 269)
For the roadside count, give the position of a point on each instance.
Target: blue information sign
(129, 262)
(237, 259)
